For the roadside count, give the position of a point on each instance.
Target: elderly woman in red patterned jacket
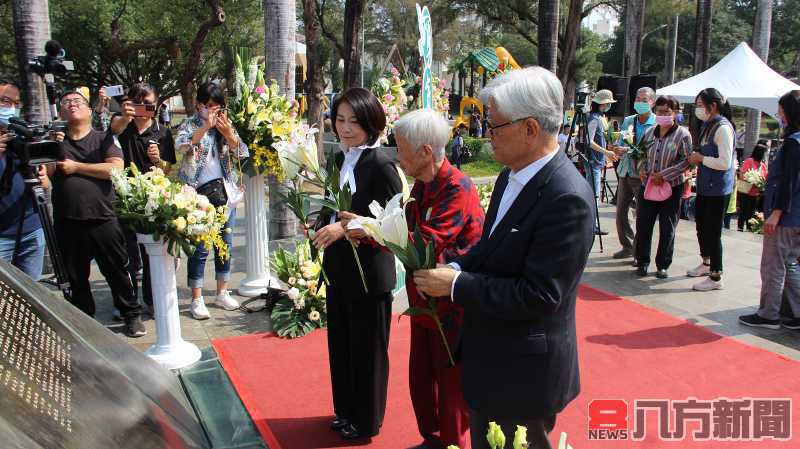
(446, 208)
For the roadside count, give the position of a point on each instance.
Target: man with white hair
(518, 285)
(447, 209)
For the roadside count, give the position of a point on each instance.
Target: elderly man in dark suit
(519, 283)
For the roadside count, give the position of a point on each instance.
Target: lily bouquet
(389, 228)
(497, 439)
(636, 151)
(755, 178)
(263, 117)
(298, 158)
(152, 204)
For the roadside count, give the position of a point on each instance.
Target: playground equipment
(487, 63)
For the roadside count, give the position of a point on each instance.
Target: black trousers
(139, 260)
(103, 241)
(747, 208)
(709, 216)
(538, 429)
(358, 349)
(667, 213)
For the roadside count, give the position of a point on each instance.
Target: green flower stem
(444, 338)
(360, 270)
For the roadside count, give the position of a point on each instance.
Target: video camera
(52, 62)
(31, 145)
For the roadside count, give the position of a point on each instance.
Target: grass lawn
(482, 165)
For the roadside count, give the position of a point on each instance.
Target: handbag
(215, 192)
(653, 192)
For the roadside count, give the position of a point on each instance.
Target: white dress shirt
(347, 173)
(516, 182)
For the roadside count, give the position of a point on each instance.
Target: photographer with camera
(146, 145)
(17, 214)
(85, 221)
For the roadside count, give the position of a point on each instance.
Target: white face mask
(701, 114)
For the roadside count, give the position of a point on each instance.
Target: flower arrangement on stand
(262, 117)
(151, 204)
(441, 94)
(485, 194)
(303, 308)
(390, 90)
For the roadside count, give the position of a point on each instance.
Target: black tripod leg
(40, 202)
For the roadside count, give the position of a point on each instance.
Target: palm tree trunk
(353, 23)
(548, 34)
(31, 32)
(761, 31)
(314, 72)
(279, 44)
(702, 40)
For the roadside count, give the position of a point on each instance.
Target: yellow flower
(180, 224)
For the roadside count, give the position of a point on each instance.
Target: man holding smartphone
(146, 145)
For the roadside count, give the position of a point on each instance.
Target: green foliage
(292, 317)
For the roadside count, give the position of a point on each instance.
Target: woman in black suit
(358, 321)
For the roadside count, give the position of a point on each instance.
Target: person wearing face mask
(597, 127)
(630, 185)
(17, 214)
(715, 181)
(358, 321)
(780, 274)
(666, 163)
(210, 147)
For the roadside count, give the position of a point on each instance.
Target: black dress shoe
(662, 273)
(641, 270)
(349, 432)
(338, 423)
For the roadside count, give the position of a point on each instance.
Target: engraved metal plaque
(67, 382)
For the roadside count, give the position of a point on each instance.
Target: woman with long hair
(358, 320)
(715, 178)
(780, 274)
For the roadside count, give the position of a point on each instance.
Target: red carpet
(627, 351)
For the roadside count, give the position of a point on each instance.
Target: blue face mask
(641, 107)
(7, 113)
(782, 122)
(679, 118)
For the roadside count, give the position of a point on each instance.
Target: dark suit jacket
(518, 288)
(377, 179)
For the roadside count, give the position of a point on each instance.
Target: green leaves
(418, 255)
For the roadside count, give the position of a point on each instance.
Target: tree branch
(513, 24)
(610, 3)
(192, 63)
(326, 32)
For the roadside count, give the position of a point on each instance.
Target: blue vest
(598, 159)
(712, 182)
(776, 172)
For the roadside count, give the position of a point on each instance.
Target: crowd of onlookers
(95, 142)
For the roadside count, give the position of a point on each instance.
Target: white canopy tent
(742, 77)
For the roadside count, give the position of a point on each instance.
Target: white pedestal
(256, 238)
(170, 350)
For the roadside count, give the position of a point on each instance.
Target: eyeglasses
(492, 128)
(8, 102)
(75, 101)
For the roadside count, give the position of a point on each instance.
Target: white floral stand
(170, 350)
(256, 238)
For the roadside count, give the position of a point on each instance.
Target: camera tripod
(34, 191)
(584, 152)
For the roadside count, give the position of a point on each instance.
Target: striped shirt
(668, 155)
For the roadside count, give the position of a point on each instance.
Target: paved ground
(717, 310)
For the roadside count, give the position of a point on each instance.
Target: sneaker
(134, 328)
(622, 254)
(793, 324)
(662, 273)
(699, 271)
(116, 315)
(708, 284)
(756, 321)
(198, 309)
(225, 301)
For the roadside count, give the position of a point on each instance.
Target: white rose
(301, 282)
(299, 304)
(293, 294)
(313, 316)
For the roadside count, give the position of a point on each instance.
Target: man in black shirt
(145, 144)
(85, 222)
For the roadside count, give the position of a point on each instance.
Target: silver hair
(530, 92)
(424, 127)
(651, 94)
